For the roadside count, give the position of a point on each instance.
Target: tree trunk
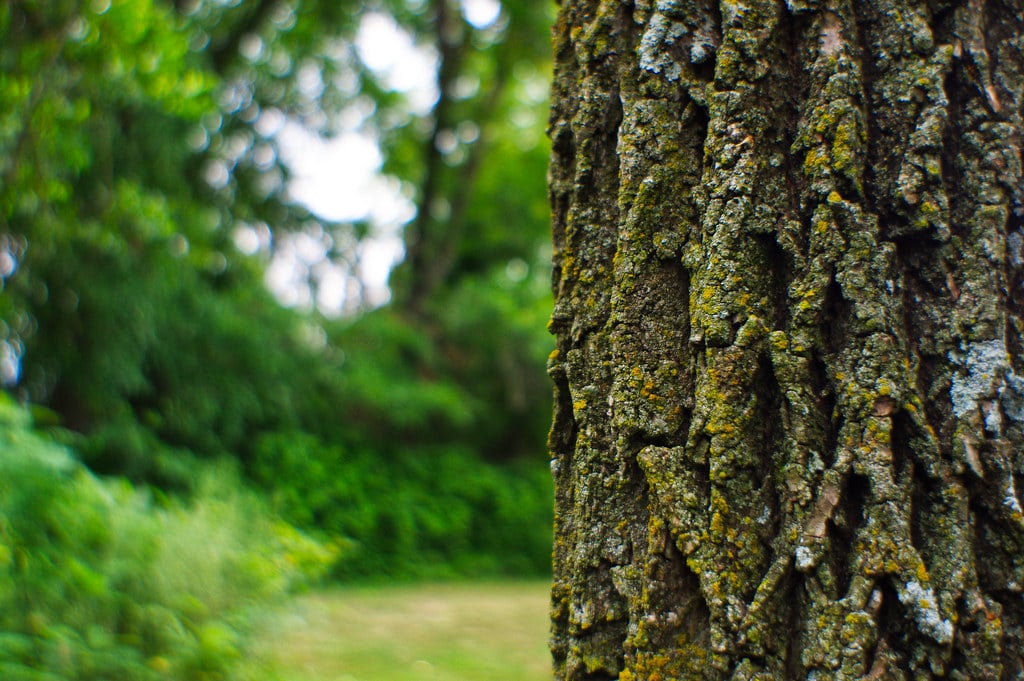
(789, 418)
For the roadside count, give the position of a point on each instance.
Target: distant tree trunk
(789, 421)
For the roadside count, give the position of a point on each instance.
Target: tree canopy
(149, 186)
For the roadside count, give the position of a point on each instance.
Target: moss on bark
(789, 398)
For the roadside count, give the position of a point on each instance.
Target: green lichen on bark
(789, 421)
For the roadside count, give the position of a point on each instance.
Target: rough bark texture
(789, 421)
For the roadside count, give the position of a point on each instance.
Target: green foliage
(187, 362)
(390, 377)
(495, 353)
(132, 149)
(433, 466)
(97, 582)
(421, 511)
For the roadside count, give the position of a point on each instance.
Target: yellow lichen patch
(778, 340)
(814, 160)
(688, 662)
(717, 523)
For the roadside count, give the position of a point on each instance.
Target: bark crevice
(788, 276)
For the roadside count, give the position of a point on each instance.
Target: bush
(422, 511)
(97, 581)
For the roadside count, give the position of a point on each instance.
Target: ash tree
(789, 381)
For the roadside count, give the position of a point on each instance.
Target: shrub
(416, 511)
(97, 581)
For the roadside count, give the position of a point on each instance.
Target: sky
(339, 178)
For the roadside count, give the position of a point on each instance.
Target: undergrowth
(99, 580)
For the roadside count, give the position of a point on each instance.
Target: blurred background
(275, 278)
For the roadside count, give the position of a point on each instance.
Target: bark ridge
(789, 377)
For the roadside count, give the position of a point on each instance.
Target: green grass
(450, 632)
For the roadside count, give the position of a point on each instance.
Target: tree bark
(789, 378)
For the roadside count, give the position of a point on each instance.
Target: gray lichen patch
(922, 602)
(1015, 248)
(655, 56)
(984, 372)
(675, 38)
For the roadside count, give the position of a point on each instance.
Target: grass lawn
(450, 632)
